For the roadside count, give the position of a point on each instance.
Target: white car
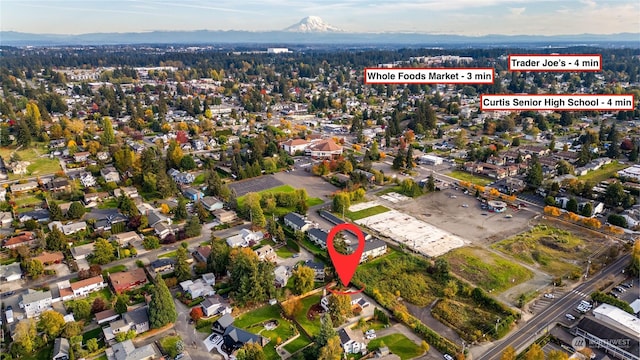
(549, 296)
(370, 336)
(570, 317)
(448, 357)
(465, 205)
(370, 331)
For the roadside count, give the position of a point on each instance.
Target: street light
(497, 322)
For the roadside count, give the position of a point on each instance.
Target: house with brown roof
(127, 280)
(27, 238)
(49, 258)
(202, 253)
(266, 253)
(324, 149)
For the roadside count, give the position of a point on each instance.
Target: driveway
(304, 255)
(190, 336)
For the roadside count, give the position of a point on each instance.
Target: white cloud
(517, 11)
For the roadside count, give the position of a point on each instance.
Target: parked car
(570, 317)
(448, 357)
(549, 296)
(370, 331)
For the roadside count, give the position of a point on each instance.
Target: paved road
(190, 336)
(534, 328)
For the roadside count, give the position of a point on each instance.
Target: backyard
(281, 211)
(254, 321)
(398, 344)
(487, 270)
(604, 173)
(309, 321)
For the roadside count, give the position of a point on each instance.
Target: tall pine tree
(162, 310)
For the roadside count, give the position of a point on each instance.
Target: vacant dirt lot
(461, 215)
(299, 178)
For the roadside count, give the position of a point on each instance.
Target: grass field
(604, 173)
(254, 320)
(297, 344)
(38, 165)
(284, 252)
(398, 344)
(170, 254)
(28, 200)
(554, 250)
(42, 354)
(486, 269)
(474, 179)
(375, 210)
(311, 326)
(111, 203)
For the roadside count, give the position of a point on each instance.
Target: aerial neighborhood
(178, 205)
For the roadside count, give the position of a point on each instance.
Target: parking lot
(244, 187)
(300, 178)
(461, 215)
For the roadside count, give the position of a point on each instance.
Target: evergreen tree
(587, 210)
(55, 213)
(409, 162)
(76, 210)
(180, 212)
(534, 173)
(55, 240)
(182, 269)
(431, 183)
(326, 331)
(122, 304)
(572, 205)
(108, 136)
(162, 310)
(193, 227)
(218, 259)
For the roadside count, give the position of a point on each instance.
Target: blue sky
(466, 17)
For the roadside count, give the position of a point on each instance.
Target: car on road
(8, 293)
(508, 216)
(295, 255)
(549, 296)
(570, 317)
(484, 214)
(465, 205)
(448, 357)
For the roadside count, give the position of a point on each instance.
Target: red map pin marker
(345, 265)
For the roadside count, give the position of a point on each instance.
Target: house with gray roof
(127, 351)
(35, 302)
(60, 349)
(296, 222)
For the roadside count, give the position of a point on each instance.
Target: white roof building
(618, 318)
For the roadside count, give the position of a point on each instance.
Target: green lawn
(44, 166)
(603, 173)
(361, 214)
(39, 165)
(398, 344)
(111, 203)
(114, 269)
(281, 211)
(91, 334)
(298, 343)
(199, 180)
(284, 252)
(487, 270)
(253, 321)
(311, 326)
(28, 200)
(474, 179)
(170, 254)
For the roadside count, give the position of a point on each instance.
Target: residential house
(356, 300)
(318, 236)
(82, 288)
(282, 275)
(192, 194)
(24, 187)
(201, 253)
(211, 203)
(110, 174)
(60, 349)
(367, 175)
(179, 177)
(70, 228)
(50, 258)
(162, 230)
(127, 351)
(35, 302)
(92, 199)
(318, 269)
(296, 222)
(244, 238)
(225, 216)
(197, 288)
(81, 156)
(373, 249)
(209, 279)
(57, 185)
(129, 191)
(106, 316)
(10, 272)
(137, 319)
(6, 218)
(155, 217)
(266, 253)
(26, 238)
(81, 252)
(324, 149)
(127, 280)
(162, 265)
(103, 155)
(221, 325)
(292, 146)
(126, 238)
(352, 341)
(39, 215)
(234, 338)
(215, 305)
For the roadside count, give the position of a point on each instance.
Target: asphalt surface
(526, 333)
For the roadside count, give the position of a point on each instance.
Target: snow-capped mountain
(312, 24)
